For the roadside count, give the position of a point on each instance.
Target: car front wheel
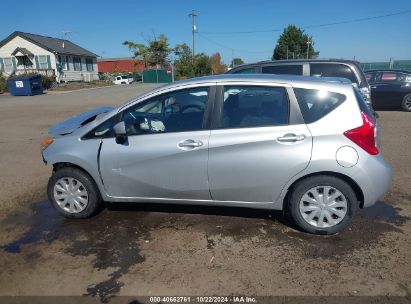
(73, 193)
(406, 103)
(322, 204)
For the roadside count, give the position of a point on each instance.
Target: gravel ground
(182, 250)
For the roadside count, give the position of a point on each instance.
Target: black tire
(406, 103)
(321, 180)
(94, 198)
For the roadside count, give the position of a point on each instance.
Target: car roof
(260, 78)
(387, 70)
(331, 60)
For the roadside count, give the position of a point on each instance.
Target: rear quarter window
(293, 69)
(333, 70)
(315, 104)
(244, 71)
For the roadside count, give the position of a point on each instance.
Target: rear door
(258, 143)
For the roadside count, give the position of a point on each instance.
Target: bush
(3, 84)
(47, 81)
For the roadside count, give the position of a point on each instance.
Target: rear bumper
(374, 179)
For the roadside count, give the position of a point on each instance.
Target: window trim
(294, 117)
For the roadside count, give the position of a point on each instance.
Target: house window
(43, 62)
(64, 62)
(8, 64)
(77, 63)
(89, 64)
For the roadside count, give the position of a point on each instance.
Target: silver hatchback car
(309, 146)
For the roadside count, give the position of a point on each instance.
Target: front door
(255, 150)
(166, 152)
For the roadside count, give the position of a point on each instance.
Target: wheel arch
(59, 165)
(356, 188)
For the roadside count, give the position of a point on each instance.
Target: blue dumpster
(25, 85)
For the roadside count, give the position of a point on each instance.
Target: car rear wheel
(322, 204)
(73, 193)
(406, 103)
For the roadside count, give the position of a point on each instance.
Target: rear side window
(332, 70)
(295, 69)
(315, 104)
(254, 106)
(245, 71)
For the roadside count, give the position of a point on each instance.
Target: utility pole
(193, 15)
(287, 51)
(308, 46)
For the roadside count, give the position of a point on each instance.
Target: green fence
(398, 64)
(156, 76)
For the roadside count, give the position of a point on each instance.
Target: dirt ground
(152, 250)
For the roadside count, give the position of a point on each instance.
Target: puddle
(113, 237)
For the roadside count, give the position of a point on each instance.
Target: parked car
(311, 67)
(123, 79)
(390, 89)
(302, 144)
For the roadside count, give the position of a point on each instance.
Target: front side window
(370, 77)
(315, 104)
(254, 106)
(43, 62)
(177, 111)
(8, 64)
(332, 70)
(289, 69)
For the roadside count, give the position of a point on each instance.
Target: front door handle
(373, 87)
(290, 137)
(190, 144)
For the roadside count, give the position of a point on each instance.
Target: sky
(102, 26)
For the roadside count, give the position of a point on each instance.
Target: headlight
(45, 143)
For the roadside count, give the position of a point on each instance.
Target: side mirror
(120, 132)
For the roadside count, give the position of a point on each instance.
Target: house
(29, 53)
(120, 65)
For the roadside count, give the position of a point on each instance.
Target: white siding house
(28, 53)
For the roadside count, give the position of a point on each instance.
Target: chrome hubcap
(70, 194)
(323, 206)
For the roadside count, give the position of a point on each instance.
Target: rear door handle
(290, 137)
(190, 144)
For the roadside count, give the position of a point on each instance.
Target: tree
(154, 54)
(217, 67)
(236, 61)
(293, 43)
(139, 50)
(202, 65)
(183, 61)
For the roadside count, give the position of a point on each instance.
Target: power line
(230, 48)
(313, 26)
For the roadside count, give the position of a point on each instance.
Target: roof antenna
(65, 34)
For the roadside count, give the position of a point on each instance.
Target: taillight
(364, 136)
